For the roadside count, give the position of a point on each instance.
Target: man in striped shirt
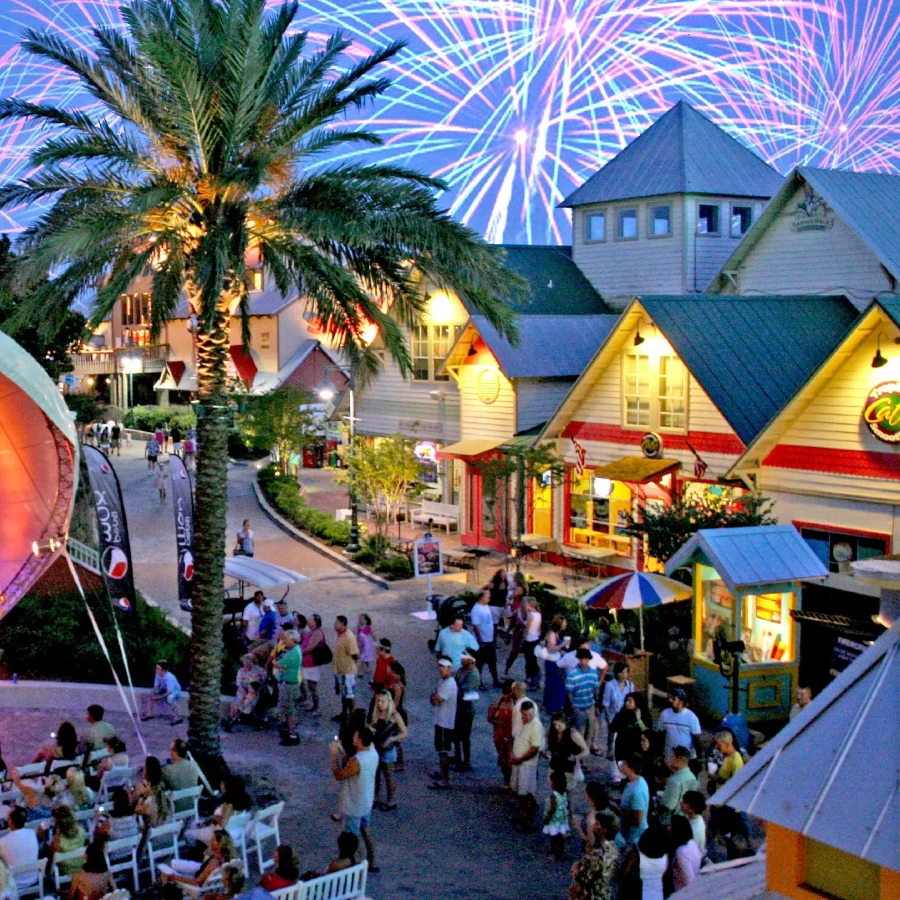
(582, 684)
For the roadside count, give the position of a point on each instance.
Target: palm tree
(206, 142)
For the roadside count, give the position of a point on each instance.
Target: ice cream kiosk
(747, 582)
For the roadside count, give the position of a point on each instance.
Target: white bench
(348, 884)
(445, 514)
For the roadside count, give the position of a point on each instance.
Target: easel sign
(428, 559)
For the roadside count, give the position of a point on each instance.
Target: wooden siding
(478, 419)
(835, 261)
(537, 399)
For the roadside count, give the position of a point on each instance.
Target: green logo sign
(882, 411)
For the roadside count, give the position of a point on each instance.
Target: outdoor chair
(62, 879)
(184, 804)
(162, 845)
(121, 856)
(264, 827)
(39, 869)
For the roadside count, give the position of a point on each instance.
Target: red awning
(176, 369)
(244, 364)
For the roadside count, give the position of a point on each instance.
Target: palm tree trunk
(210, 524)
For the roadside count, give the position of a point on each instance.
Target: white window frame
(718, 231)
(587, 227)
(642, 398)
(672, 398)
(637, 223)
(732, 208)
(651, 221)
(652, 421)
(431, 344)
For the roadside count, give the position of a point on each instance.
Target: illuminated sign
(426, 452)
(882, 411)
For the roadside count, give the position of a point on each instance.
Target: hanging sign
(881, 411)
(652, 445)
(115, 548)
(427, 557)
(183, 504)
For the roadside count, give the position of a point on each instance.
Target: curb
(320, 548)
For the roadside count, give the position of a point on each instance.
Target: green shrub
(52, 638)
(365, 558)
(146, 418)
(240, 448)
(394, 568)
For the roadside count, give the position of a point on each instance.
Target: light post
(129, 364)
(326, 392)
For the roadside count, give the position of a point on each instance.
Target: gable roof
(267, 302)
(751, 354)
(755, 555)
(682, 152)
(868, 202)
(807, 778)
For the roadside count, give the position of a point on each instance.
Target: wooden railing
(149, 358)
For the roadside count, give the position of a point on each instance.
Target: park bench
(348, 884)
(445, 514)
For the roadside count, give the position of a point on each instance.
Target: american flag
(580, 455)
(700, 465)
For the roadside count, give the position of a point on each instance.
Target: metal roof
(267, 302)
(751, 354)
(548, 346)
(891, 306)
(558, 286)
(682, 152)
(831, 773)
(745, 557)
(739, 879)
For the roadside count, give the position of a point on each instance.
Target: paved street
(435, 845)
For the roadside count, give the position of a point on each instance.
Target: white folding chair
(121, 856)
(86, 817)
(60, 879)
(162, 845)
(265, 826)
(237, 827)
(117, 776)
(10, 797)
(214, 884)
(187, 799)
(31, 770)
(36, 869)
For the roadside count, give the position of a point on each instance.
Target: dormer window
(595, 227)
(660, 221)
(256, 278)
(708, 219)
(654, 392)
(627, 229)
(741, 220)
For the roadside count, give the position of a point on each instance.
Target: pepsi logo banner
(115, 549)
(183, 503)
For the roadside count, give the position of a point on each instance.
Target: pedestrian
(190, 451)
(593, 874)
(286, 620)
(520, 697)
(569, 661)
(159, 435)
(383, 659)
(803, 698)
(286, 668)
(346, 656)
(553, 646)
(177, 439)
(582, 684)
(614, 694)
(483, 627)
(567, 750)
(19, 846)
(678, 784)
(365, 639)
(396, 684)
(598, 804)
(680, 725)
(162, 482)
(126, 435)
(357, 779)
(105, 439)
(500, 715)
(251, 617)
(653, 862)
(693, 805)
(444, 702)
(268, 624)
(116, 438)
(166, 689)
(516, 616)
(556, 814)
(467, 682)
(635, 804)
(528, 742)
(530, 641)
(151, 451)
(726, 820)
(315, 650)
(631, 722)
(454, 640)
(685, 857)
(244, 541)
(389, 729)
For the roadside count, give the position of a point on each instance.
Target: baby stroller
(447, 609)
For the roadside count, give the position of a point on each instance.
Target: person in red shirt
(287, 870)
(382, 664)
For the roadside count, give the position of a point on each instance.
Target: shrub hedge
(146, 418)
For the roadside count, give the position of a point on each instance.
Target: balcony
(137, 359)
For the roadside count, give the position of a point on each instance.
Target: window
(708, 219)
(837, 549)
(596, 227)
(596, 506)
(628, 224)
(429, 345)
(672, 393)
(741, 220)
(660, 221)
(136, 309)
(637, 389)
(256, 279)
(838, 874)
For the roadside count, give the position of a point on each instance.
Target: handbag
(321, 654)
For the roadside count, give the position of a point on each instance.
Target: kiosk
(747, 581)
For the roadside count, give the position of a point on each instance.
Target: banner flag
(183, 503)
(115, 549)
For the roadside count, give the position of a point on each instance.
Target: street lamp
(326, 393)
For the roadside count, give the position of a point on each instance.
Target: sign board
(844, 651)
(811, 213)
(427, 557)
(881, 411)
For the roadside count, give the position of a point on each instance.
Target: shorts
(311, 673)
(524, 780)
(345, 686)
(443, 739)
(389, 756)
(578, 719)
(353, 824)
(289, 699)
(151, 457)
(176, 446)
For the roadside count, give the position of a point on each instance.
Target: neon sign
(881, 412)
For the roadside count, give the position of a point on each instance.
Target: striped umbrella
(635, 590)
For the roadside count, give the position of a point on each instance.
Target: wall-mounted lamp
(638, 338)
(437, 395)
(50, 547)
(879, 360)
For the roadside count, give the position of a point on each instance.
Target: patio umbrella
(635, 590)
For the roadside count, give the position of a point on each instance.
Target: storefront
(747, 582)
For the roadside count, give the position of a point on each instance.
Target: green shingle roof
(751, 354)
(891, 305)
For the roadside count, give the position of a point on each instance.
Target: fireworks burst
(515, 102)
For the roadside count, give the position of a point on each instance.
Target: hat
(466, 655)
(679, 694)
(385, 644)
(267, 602)
(443, 661)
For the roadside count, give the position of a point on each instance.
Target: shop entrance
(542, 506)
(485, 513)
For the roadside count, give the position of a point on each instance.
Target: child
(556, 813)
(693, 805)
(162, 482)
(365, 639)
